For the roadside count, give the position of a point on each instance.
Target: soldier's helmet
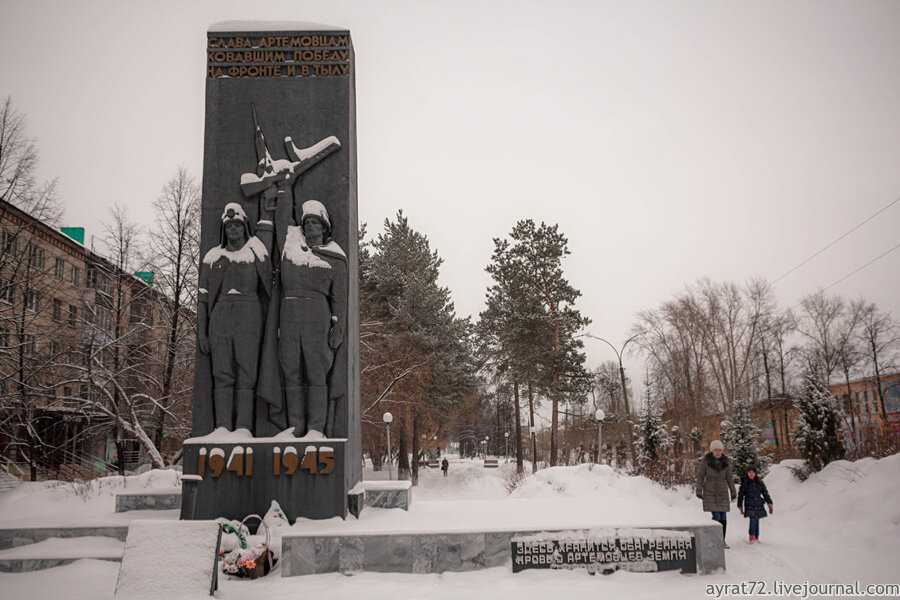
(234, 212)
(314, 208)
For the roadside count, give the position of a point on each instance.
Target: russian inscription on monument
(605, 551)
(323, 55)
(276, 396)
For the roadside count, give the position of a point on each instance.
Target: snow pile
(845, 500)
(601, 481)
(57, 503)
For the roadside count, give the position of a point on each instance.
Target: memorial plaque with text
(605, 551)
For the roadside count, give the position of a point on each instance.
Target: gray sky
(670, 140)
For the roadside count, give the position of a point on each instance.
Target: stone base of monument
(691, 549)
(148, 500)
(240, 478)
(387, 494)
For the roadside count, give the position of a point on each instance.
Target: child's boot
(752, 538)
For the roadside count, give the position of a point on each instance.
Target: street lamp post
(619, 354)
(600, 416)
(506, 445)
(388, 417)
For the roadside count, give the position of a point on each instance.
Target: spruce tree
(819, 435)
(742, 436)
(654, 439)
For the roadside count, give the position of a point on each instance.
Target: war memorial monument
(276, 397)
(277, 378)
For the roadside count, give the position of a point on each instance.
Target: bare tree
(820, 323)
(19, 184)
(174, 245)
(703, 345)
(881, 338)
(732, 318)
(850, 353)
(117, 359)
(26, 335)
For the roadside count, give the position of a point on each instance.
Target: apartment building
(865, 415)
(72, 328)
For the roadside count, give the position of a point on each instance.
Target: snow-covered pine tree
(819, 437)
(743, 439)
(654, 439)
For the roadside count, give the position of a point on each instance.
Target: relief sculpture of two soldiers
(272, 308)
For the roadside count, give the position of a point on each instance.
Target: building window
(141, 310)
(76, 275)
(33, 301)
(35, 257)
(54, 348)
(29, 344)
(67, 391)
(5, 337)
(6, 291)
(9, 243)
(73, 315)
(60, 269)
(57, 310)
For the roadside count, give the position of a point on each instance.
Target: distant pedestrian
(715, 484)
(445, 465)
(751, 496)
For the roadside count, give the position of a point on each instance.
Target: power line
(854, 272)
(862, 267)
(890, 204)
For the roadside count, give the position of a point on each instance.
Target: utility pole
(624, 388)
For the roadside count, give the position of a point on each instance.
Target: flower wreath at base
(239, 559)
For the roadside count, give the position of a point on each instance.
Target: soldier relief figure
(312, 318)
(235, 281)
(273, 307)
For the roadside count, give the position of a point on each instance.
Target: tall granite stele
(276, 396)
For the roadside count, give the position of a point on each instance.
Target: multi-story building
(77, 334)
(865, 415)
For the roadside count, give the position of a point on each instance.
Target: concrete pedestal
(306, 478)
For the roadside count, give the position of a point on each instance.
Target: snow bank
(57, 503)
(845, 500)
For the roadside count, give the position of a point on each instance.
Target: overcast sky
(669, 140)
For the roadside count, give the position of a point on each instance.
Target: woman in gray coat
(715, 484)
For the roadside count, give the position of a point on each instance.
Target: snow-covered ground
(840, 526)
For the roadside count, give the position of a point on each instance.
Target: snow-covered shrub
(743, 439)
(818, 425)
(654, 439)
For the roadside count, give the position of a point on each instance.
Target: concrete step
(57, 551)
(25, 536)
(148, 500)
